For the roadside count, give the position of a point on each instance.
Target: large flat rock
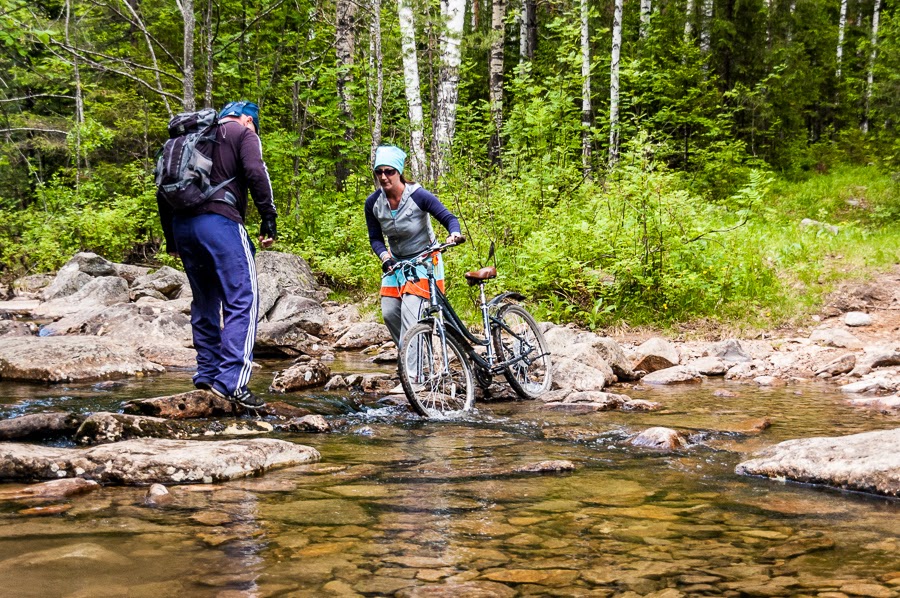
(70, 359)
(147, 461)
(867, 462)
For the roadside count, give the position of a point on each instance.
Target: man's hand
(268, 231)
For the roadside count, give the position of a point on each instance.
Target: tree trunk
(585, 90)
(187, 13)
(528, 30)
(418, 163)
(842, 24)
(345, 45)
(208, 42)
(706, 26)
(498, 31)
(688, 21)
(614, 84)
(646, 9)
(872, 55)
(376, 65)
(454, 14)
(79, 102)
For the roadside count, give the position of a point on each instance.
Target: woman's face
(387, 177)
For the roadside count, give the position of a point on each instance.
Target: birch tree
(453, 14)
(79, 101)
(872, 55)
(187, 13)
(706, 25)
(614, 84)
(688, 24)
(345, 45)
(585, 90)
(527, 30)
(646, 10)
(498, 30)
(376, 65)
(842, 24)
(407, 23)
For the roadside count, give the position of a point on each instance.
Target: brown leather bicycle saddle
(477, 276)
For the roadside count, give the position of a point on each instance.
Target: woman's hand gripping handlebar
(410, 264)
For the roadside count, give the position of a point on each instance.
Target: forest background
(634, 161)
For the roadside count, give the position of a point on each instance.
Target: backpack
(185, 161)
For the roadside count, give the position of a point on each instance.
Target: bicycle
(436, 356)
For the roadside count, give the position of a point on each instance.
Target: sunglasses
(385, 172)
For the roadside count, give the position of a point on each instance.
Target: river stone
(840, 365)
(113, 427)
(546, 467)
(52, 490)
(458, 589)
(147, 461)
(169, 356)
(308, 373)
(876, 357)
(871, 385)
(167, 281)
(308, 312)
(835, 337)
(654, 354)
(857, 318)
(68, 280)
(186, 405)
(679, 374)
(307, 423)
(157, 496)
(891, 402)
(40, 426)
(660, 438)
(30, 286)
(70, 359)
(284, 337)
(730, 351)
(867, 462)
(710, 366)
(288, 274)
(102, 290)
(570, 374)
(871, 590)
(547, 577)
(362, 335)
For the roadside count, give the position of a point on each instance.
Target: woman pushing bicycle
(400, 210)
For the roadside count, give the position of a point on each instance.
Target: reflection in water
(399, 505)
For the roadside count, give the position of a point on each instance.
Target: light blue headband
(389, 155)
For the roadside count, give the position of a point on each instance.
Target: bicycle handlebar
(420, 259)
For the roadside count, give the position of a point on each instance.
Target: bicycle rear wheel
(519, 338)
(436, 376)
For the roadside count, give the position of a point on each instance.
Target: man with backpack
(203, 176)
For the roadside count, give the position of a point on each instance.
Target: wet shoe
(202, 385)
(242, 397)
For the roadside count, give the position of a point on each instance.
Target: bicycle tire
(430, 391)
(530, 377)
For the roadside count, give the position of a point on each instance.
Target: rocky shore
(96, 320)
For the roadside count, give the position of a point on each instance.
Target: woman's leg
(390, 311)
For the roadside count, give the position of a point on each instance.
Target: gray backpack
(185, 161)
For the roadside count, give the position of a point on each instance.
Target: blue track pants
(218, 259)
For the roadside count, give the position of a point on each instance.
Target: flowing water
(402, 506)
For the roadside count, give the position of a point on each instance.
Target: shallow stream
(403, 506)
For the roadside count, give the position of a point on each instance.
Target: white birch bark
(842, 24)
(345, 46)
(498, 29)
(527, 30)
(614, 84)
(585, 90)
(79, 102)
(523, 33)
(376, 65)
(870, 76)
(208, 47)
(453, 13)
(688, 21)
(187, 13)
(790, 32)
(706, 26)
(646, 9)
(418, 162)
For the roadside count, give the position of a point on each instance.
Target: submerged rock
(146, 461)
(867, 462)
(309, 373)
(52, 490)
(187, 405)
(660, 438)
(546, 467)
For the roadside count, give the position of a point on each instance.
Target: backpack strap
(212, 191)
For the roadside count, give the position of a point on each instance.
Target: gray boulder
(31, 286)
(840, 365)
(308, 373)
(284, 337)
(147, 461)
(101, 290)
(876, 357)
(867, 462)
(710, 366)
(76, 273)
(362, 335)
(69, 359)
(730, 351)
(661, 439)
(857, 318)
(105, 427)
(570, 374)
(835, 337)
(186, 405)
(131, 324)
(680, 374)
(308, 314)
(166, 281)
(285, 273)
(655, 354)
(40, 426)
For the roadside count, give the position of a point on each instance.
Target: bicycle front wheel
(518, 340)
(436, 376)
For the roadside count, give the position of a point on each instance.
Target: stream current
(403, 506)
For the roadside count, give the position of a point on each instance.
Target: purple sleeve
(376, 237)
(257, 173)
(427, 202)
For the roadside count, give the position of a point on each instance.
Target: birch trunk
(79, 102)
(646, 9)
(376, 64)
(842, 24)
(418, 162)
(585, 90)
(454, 14)
(187, 13)
(791, 8)
(688, 24)
(614, 84)
(498, 31)
(208, 39)
(705, 26)
(345, 45)
(874, 53)
(527, 31)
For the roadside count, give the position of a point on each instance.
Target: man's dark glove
(268, 230)
(388, 265)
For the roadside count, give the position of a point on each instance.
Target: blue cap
(240, 109)
(389, 155)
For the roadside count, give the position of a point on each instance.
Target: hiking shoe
(202, 385)
(242, 397)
